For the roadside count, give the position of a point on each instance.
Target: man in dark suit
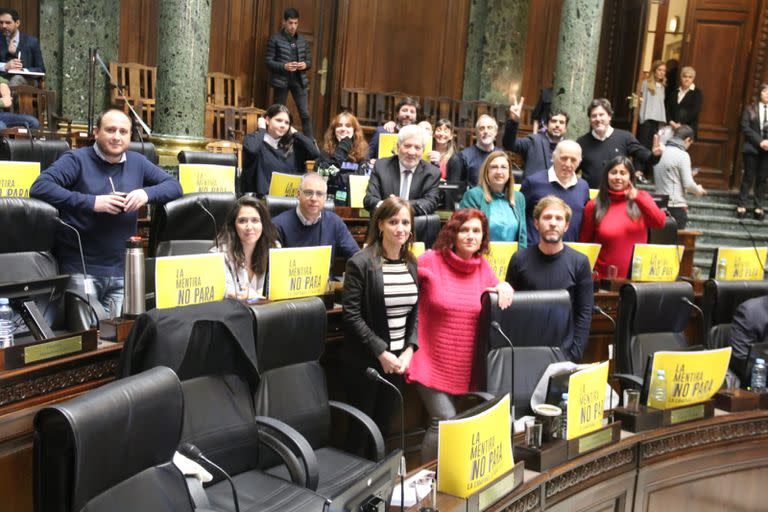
(289, 59)
(750, 325)
(19, 52)
(405, 175)
(754, 126)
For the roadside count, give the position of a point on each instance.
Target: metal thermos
(133, 302)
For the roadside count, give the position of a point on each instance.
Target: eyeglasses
(313, 193)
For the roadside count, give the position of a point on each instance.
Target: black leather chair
(178, 222)
(33, 150)
(204, 157)
(537, 323)
(719, 303)
(210, 346)
(667, 235)
(277, 205)
(426, 228)
(651, 317)
(290, 338)
(145, 148)
(111, 448)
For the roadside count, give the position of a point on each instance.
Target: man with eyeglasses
(309, 226)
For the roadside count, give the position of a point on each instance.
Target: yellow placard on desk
(591, 251)
(656, 262)
(586, 400)
(357, 187)
(388, 146)
(284, 185)
(737, 263)
(692, 377)
(472, 452)
(186, 280)
(16, 178)
(417, 249)
(498, 256)
(298, 272)
(593, 193)
(206, 178)
(517, 187)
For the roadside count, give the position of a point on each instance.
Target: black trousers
(755, 172)
(300, 97)
(680, 215)
(645, 132)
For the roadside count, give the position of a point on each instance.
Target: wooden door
(718, 45)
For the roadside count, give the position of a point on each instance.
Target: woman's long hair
(482, 180)
(446, 239)
(267, 240)
(286, 141)
(651, 80)
(386, 210)
(359, 151)
(603, 199)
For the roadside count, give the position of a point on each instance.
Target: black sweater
(595, 153)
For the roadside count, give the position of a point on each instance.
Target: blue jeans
(107, 290)
(10, 120)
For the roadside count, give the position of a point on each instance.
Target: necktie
(765, 121)
(404, 184)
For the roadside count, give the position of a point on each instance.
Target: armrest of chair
(367, 422)
(482, 395)
(286, 442)
(632, 380)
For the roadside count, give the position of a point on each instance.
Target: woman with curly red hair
(344, 152)
(452, 277)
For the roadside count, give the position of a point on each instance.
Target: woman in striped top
(380, 310)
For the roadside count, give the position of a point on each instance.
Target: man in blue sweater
(486, 129)
(552, 265)
(99, 190)
(309, 226)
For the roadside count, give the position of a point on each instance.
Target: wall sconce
(674, 24)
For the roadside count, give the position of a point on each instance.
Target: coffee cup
(549, 415)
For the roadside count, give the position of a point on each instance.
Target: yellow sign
(357, 187)
(517, 187)
(16, 178)
(589, 250)
(418, 248)
(736, 263)
(298, 272)
(593, 193)
(472, 452)
(186, 280)
(284, 185)
(691, 377)
(586, 400)
(206, 178)
(388, 146)
(498, 257)
(656, 262)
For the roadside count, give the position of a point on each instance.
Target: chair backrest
(719, 303)
(89, 444)
(36, 102)
(184, 219)
(183, 247)
(139, 85)
(290, 338)
(33, 150)
(277, 205)
(204, 157)
(223, 89)
(426, 228)
(538, 323)
(145, 148)
(667, 235)
(651, 317)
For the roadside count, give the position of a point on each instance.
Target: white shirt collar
(692, 87)
(608, 133)
(270, 140)
(304, 220)
(104, 157)
(552, 176)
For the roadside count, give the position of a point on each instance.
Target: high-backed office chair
(666, 235)
(204, 157)
(111, 448)
(277, 204)
(145, 148)
(538, 323)
(651, 317)
(44, 152)
(290, 338)
(720, 301)
(210, 346)
(426, 228)
(178, 222)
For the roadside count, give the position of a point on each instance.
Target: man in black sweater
(552, 265)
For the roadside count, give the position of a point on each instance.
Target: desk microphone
(600, 311)
(703, 327)
(495, 325)
(87, 283)
(199, 202)
(752, 239)
(193, 452)
(372, 374)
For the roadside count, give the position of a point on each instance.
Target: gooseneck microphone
(372, 374)
(194, 453)
(199, 203)
(600, 311)
(495, 325)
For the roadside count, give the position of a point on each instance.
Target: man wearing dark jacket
(537, 147)
(19, 52)
(289, 59)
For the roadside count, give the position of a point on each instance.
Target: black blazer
(753, 132)
(29, 50)
(687, 111)
(385, 181)
(279, 51)
(365, 315)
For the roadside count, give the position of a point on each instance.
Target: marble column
(182, 65)
(576, 65)
(495, 49)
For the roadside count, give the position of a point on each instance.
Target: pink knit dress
(449, 305)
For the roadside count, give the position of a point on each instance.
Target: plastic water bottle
(6, 323)
(758, 375)
(637, 267)
(564, 418)
(722, 265)
(659, 391)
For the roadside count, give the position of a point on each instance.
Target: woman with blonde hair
(652, 112)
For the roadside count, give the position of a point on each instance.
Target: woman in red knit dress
(452, 277)
(619, 217)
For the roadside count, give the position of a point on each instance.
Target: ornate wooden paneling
(138, 31)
